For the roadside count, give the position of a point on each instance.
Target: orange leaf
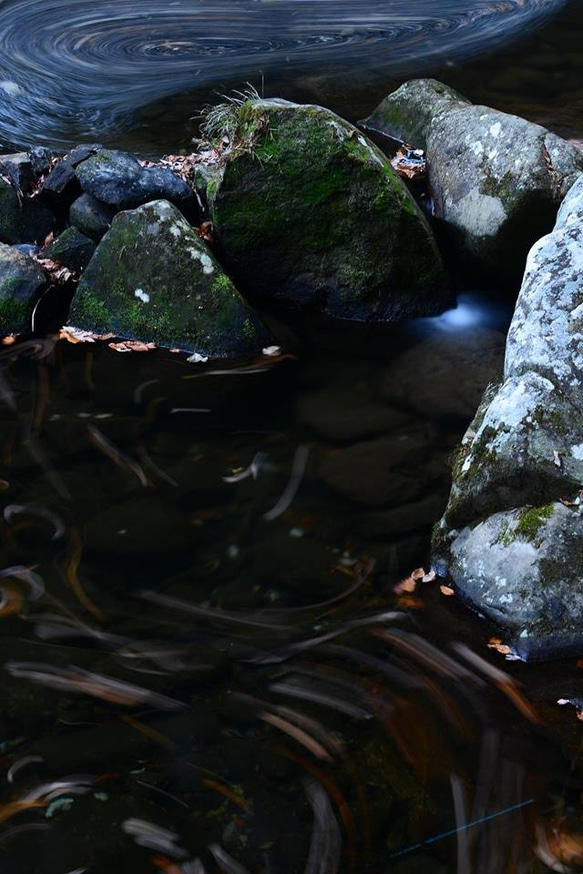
(445, 590)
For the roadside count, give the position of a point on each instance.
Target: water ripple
(74, 69)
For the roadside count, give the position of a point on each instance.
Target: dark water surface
(204, 663)
(74, 70)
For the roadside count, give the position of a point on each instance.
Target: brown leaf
(76, 335)
(132, 346)
(496, 643)
(445, 590)
(429, 577)
(418, 573)
(409, 602)
(8, 340)
(406, 585)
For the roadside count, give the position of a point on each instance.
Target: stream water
(207, 661)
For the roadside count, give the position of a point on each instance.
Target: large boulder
(119, 180)
(21, 283)
(153, 279)
(496, 180)
(22, 219)
(522, 457)
(406, 114)
(310, 216)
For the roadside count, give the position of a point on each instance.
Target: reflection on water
(204, 663)
(75, 69)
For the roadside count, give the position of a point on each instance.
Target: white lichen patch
(142, 295)
(495, 129)
(479, 214)
(577, 451)
(205, 260)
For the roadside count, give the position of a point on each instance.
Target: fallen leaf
(9, 340)
(445, 590)
(132, 346)
(418, 573)
(406, 585)
(428, 578)
(496, 643)
(557, 459)
(76, 335)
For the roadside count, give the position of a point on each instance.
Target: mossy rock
(153, 279)
(21, 283)
(72, 249)
(22, 220)
(310, 216)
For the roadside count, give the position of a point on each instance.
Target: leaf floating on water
(132, 346)
(429, 577)
(446, 590)
(406, 585)
(8, 340)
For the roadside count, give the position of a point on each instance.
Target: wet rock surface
(310, 216)
(119, 180)
(72, 249)
(22, 220)
(91, 217)
(153, 279)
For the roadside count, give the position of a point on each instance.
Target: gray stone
(91, 217)
(118, 179)
(21, 282)
(406, 114)
(72, 249)
(24, 168)
(22, 220)
(521, 455)
(522, 569)
(311, 216)
(348, 413)
(153, 279)
(496, 180)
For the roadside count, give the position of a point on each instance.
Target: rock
(386, 471)
(496, 180)
(22, 220)
(522, 569)
(310, 215)
(153, 279)
(24, 168)
(402, 519)
(524, 452)
(406, 114)
(118, 179)
(62, 183)
(445, 375)
(91, 217)
(347, 413)
(21, 282)
(72, 249)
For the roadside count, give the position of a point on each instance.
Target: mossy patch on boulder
(72, 249)
(310, 216)
(21, 283)
(22, 220)
(153, 279)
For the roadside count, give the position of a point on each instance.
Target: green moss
(528, 527)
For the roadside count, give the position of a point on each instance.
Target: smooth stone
(72, 249)
(22, 281)
(22, 220)
(91, 217)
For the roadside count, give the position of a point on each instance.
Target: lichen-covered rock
(118, 179)
(22, 220)
(496, 180)
(21, 283)
(406, 114)
(522, 569)
(91, 217)
(72, 249)
(310, 216)
(153, 279)
(524, 449)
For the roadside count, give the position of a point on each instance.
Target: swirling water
(79, 69)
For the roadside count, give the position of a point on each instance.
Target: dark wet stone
(118, 179)
(62, 182)
(153, 279)
(22, 220)
(72, 249)
(24, 168)
(21, 283)
(348, 413)
(311, 216)
(91, 217)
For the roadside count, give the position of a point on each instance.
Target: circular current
(77, 69)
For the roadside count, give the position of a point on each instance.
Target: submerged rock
(153, 279)
(311, 216)
(524, 452)
(496, 180)
(21, 282)
(72, 249)
(119, 180)
(22, 220)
